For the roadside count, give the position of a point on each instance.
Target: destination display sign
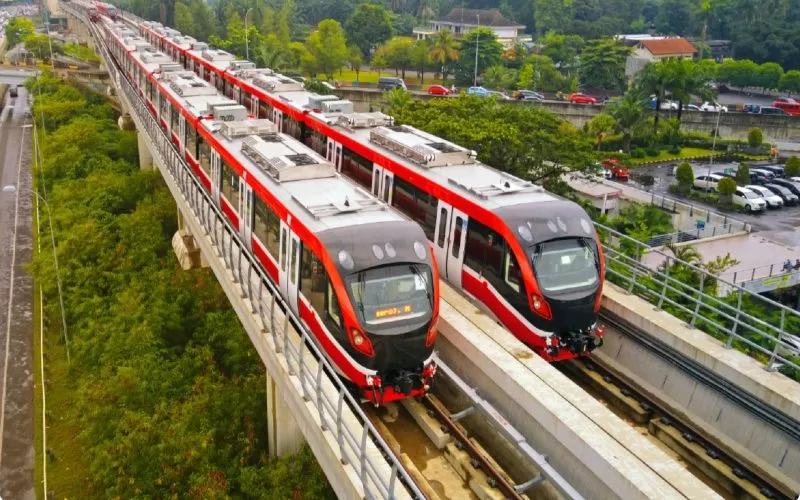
(393, 311)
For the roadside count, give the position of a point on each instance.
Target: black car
(754, 177)
(529, 95)
(787, 196)
(775, 169)
(794, 187)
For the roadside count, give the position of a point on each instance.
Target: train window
(191, 140)
(230, 185)
(174, 119)
(264, 110)
(319, 142)
(442, 227)
(313, 281)
(415, 203)
(333, 307)
(267, 224)
(511, 271)
(484, 250)
(457, 236)
(284, 239)
(293, 263)
(246, 100)
(164, 108)
(204, 155)
(357, 168)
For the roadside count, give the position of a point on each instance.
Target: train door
(277, 119)
(289, 265)
(449, 239)
(333, 153)
(246, 212)
(237, 94)
(382, 183)
(181, 135)
(254, 106)
(216, 176)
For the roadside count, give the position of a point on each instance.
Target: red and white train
(359, 275)
(532, 260)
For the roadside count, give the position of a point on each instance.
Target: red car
(438, 90)
(579, 98)
(617, 171)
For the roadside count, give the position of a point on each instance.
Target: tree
(184, 20)
(327, 50)
(685, 177)
(675, 17)
(602, 64)
(379, 60)
(769, 75)
(499, 77)
(355, 59)
(743, 175)
(653, 80)
(489, 53)
(628, 112)
(420, 60)
(792, 167)
(790, 81)
(17, 30)
(39, 45)
(444, 50)
(368, 26)
(686, 79)
(562, 49)
(599, 127)
(399, 53)
(726, 187)
(755, 137)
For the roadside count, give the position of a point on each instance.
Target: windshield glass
(391, 293)
(750, 195)
(566, 264)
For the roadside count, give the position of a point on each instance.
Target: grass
(348, 75)
(664, 155)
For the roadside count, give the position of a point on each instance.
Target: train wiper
(362, 286)
(422, 276)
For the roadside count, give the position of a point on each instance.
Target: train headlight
(361, 343)
(541, 307)
(358, 339)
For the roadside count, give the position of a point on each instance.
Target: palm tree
(628, 112)
(443, 50)
(687, 79)
(654, 80)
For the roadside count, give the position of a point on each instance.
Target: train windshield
(387, 294)
(565, 265)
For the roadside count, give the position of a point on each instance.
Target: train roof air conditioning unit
(342, 106)
(315, 100)
(260, 128)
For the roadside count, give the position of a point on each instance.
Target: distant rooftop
(478, 17)
(668, 46)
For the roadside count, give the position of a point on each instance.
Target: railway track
(454, 444)
(723, 472)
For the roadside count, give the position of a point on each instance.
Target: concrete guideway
(16, 307)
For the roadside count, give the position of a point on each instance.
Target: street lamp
(246, 38)
(58, 273)
(714, 141)
(477, 46)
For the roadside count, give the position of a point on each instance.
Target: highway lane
(17, 456)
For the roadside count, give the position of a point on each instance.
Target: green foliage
(40, 46)
(489, 52)
(602, 64)
(727, 186)
(790, 81)
(368, 26)
(399, 53)
(17, 30)
(755, 137)
(524, 140)
(327, 51)
(792, 167)
(628, 112)
(169, 394)
(80, 52)
(743, 175)
(685, 176)
(500, 78)
(444, 51)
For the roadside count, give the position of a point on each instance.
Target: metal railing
(267, 304)
(711, 217)
(758, 272)
(690, 234)
(755, 324)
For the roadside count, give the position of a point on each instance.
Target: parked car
(692, 107)
(794, 187)
(759, 177)
(751, 108)
(580, 98)
(787, 196)
(328, 85)
(751, 201)
(772, 199)
(391, 82)
(769, 175)
(528, 95)
(669, 105)
(786, 99)
(478, 91)
(707, 182)
(775, 169)
(438, 90)
(499, 95)
(13, 92)
(713, 106)
(769, 110)
(794, 179)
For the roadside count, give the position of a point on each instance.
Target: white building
(656, 48)
(460, 21)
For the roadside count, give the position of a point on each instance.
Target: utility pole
(246, 41)
(477, 47)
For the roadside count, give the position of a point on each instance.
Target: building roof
(668, 46)
(478, 17)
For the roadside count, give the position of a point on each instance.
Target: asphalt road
(16, 304)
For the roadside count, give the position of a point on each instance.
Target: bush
(755, 138)
(652, 151)
(743, 175)
(726, 186)
(638, 153)
(674, 149)
(685, 176)
(792, 168)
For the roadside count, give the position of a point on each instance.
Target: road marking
(10, 300)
